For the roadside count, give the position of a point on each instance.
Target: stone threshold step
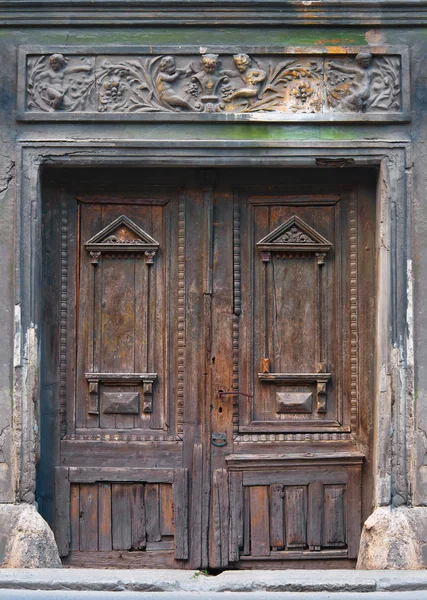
(164, 580)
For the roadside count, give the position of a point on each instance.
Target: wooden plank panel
(104, 517)
(260, 520)
(277, 517)
(89, 517)
(180, 503)
(62, 512)
(315, 515)
(220, 525)
(246, 521)
(236, 515)
(334, 517)
(116, 474)
(121, 501)
(166, 510)
(196, 504)
(152, 512)
(75, 516)
(139, 537)
(296, 517)
(354, 516)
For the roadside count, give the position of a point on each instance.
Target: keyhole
(220, 409)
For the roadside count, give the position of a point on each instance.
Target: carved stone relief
(240, 83)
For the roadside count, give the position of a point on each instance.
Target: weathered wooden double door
(211, 339)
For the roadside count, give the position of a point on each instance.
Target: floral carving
(210, 83)
(294, 235)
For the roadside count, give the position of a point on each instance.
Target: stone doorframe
(393, 437)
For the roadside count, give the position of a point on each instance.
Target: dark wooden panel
(121, 500)
(75, 516)
(354, 523)
(152, 512)
(295, 476)
(260, 522)
(236, 515)
(62, 513)
(196, 506)
(277, 517)
(125, 454)
(334, 516)
(315, 515)
(138, 517)
(116, 474)
(89, 517)
(220, 524)
(123, 559)
(296, 517)
(104, 517)
(180, 503)
(166, 510)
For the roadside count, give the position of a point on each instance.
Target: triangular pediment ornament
(122, 235)
(294, 235)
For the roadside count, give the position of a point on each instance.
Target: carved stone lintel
(265, 82)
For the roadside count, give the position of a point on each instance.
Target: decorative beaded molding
(186, 83)
(292, 437)
(63, 320)
(354, 333)
(181, 316)
(120, 437)
(237, 308)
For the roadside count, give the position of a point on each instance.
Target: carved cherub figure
(52, 80)
(210, 76)
(168, 74)
(360, 83)
(252, 78)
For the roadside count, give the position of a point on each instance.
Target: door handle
(221, 394)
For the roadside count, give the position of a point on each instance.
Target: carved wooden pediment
(296, 236)
(122, 235)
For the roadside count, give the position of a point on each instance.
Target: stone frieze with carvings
(287, 84)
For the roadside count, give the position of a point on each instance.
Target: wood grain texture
(121, 500)
(104, 517)
(221, 516)
(236, 515)
(180, 501)
(89, 517)
(260, 522)
(296, 517)
(277, 517)
(62, 514)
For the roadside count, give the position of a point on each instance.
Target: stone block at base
(26, 540)
(394, 538)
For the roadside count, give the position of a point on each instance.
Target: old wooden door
(209, 334)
